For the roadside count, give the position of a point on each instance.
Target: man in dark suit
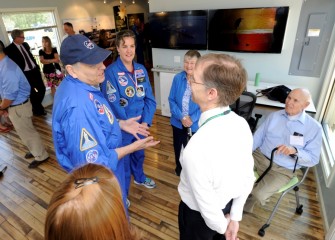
(19, 52)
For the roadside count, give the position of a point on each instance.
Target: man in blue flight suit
(84, 128)
(128, 91)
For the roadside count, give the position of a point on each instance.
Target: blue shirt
(84, 128)
(178, 88)
(13, 84)
(129, 94)
(278, 129)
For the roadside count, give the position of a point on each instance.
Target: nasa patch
(130, 91)
(140, 75)
(123, 102)
(111, 97)
(92, 156)
(89, 44)
(123, 81)
(109, 114)
(140, 91)
(86, 140)
(99, 106)
(110, 88)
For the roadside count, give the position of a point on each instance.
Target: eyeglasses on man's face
(22, 37)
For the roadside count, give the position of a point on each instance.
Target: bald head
(297, 100)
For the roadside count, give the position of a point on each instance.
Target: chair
(293, 184)
(244, 106)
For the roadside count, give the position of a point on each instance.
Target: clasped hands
(187, 121)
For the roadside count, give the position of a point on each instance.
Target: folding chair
(293, 184)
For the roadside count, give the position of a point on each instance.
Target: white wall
(273, 67)
(81, 9)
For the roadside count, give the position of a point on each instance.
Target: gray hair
(16, 33)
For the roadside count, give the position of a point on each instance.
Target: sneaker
(148, 183)
(128, 203)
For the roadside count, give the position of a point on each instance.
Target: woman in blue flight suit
(128, 91)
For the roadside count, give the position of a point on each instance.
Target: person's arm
(195, 113)
(196, 172)
(80, 140)
(135, 146)
(260, 134)
(56, 56)
(232, 230)
(5, 103)
(309, 154)
(10, 87)
(49, 61)
(132, 126)
(176, 112)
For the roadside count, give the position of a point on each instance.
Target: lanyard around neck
(216, 116)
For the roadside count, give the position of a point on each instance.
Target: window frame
(54, 10)
(327, 99)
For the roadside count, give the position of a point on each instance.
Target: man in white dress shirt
(217, 163)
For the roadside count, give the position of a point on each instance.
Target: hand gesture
(133, 127)
(145, 143)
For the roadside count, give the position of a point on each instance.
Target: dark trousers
(180, 138)
(37, 90)
(193, 226)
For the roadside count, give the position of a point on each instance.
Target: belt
(18, 104)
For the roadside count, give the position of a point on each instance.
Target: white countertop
(267, 102)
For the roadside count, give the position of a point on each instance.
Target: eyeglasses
(191, 79)
(22, 37)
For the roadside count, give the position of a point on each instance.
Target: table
(264, 101)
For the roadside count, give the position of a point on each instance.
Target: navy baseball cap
(78, 48)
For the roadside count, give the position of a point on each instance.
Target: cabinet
(165, 86)
(163, 77)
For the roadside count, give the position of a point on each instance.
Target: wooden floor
(25, 193)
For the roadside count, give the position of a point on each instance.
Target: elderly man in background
(217, 163)
(14, 92)
(298, 138)
(19, 52)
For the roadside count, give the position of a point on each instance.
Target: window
(35, 25)
(327, 118)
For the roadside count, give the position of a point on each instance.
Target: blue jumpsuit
(130, 95)
(84, 129)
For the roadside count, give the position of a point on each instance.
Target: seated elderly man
(298, 138)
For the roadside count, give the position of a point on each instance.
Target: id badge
(296, 140)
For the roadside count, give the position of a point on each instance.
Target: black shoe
(44, 113)
(28, 155)
(35, 164)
